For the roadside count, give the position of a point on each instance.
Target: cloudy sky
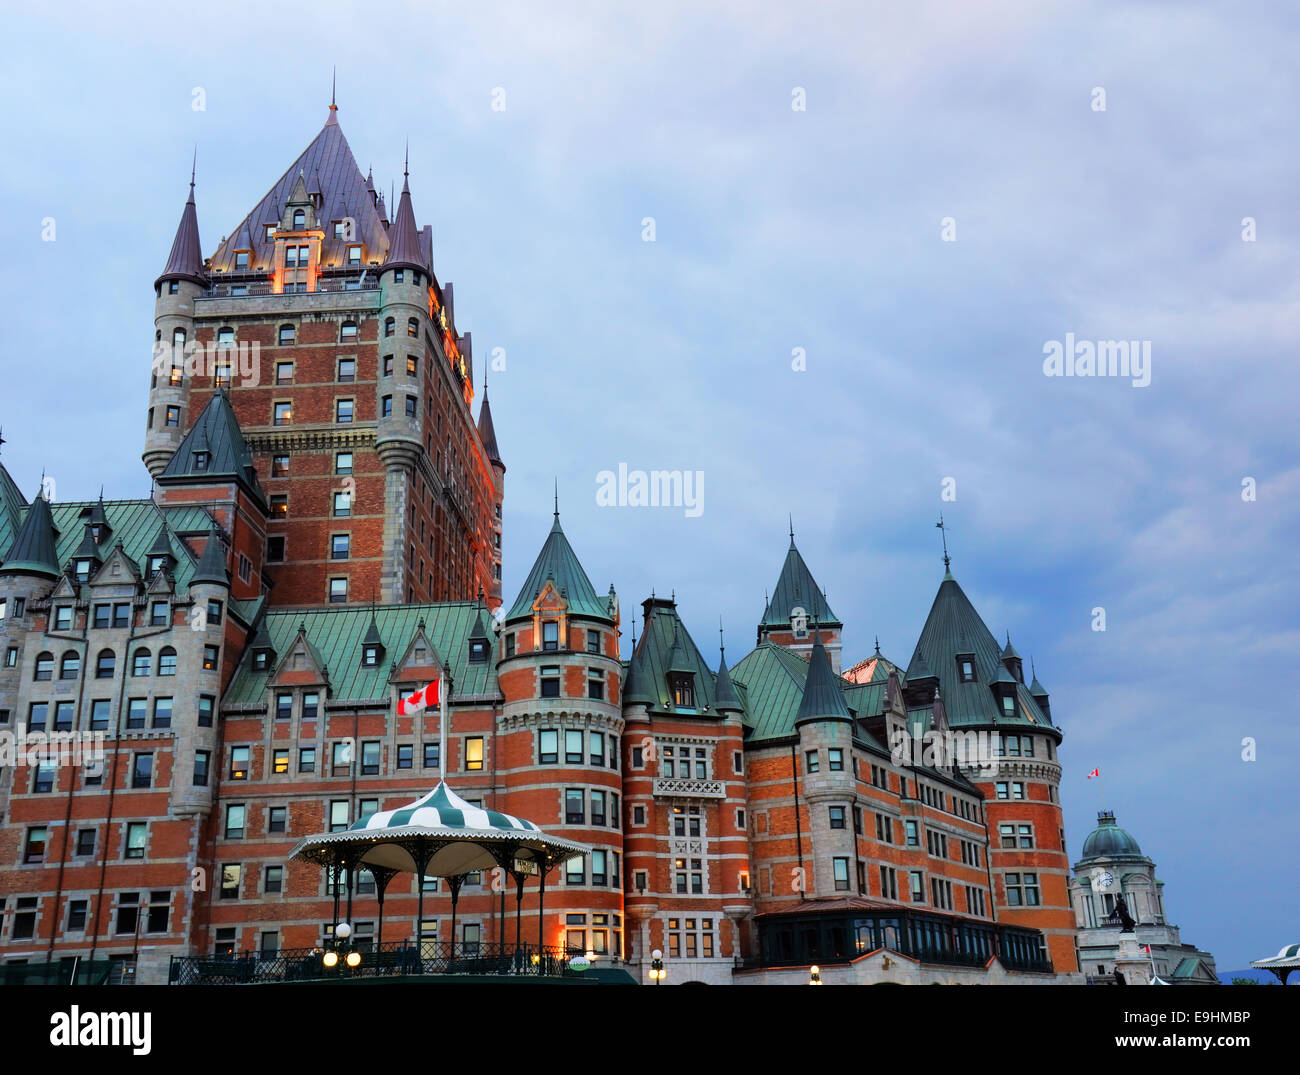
(777, 229)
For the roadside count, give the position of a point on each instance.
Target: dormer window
(370, 656)
(683, 690)
(261, 660)
(340, 229)
(97, 532)
(1009, 704)
(966, 667)
(156, 564)
(419, 655)
(269, 235)
(83, 570)
(354, 255)
(241, 260)
(299, 219)
(201, 460)
(477, 650)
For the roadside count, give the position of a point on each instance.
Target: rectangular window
(310, 705)
(841, 874)
(431, 759)
(812, 763)
(405, 756)
(573, 746)
(142, 770)
(575, 871)
(917, 880)
(211, 654)
(239, 758)
(338, 591)
(340, 817)
(386, 407)
(230, 876)
(283, 412)
(370, 758)
(837, 817)
(342, 505)
(235, 816)
(273, 878)
(410, 406)
(548, 746)
(474, 753)
(343, 463)
(550, 676)
(63, 716)
(277, 819)
(137, 833)
(343, 410)
(275, 550)
(340, 546)
(835, 760)
(913, 833)
(306, 759)
(207, 703)
(595, 690)
(598, 808)
(341, 758)
(574, 801)
(202, 760)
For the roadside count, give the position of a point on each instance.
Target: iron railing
(391, 958)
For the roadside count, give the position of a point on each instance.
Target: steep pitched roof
(667, 646)
(724, 691)
(217, 432)
(212, 564)
(487, 433)
(773, 679)
(135, 525)
(13, 506)
(185, 262)
(336, 634)
(822, 698)
(557, 561)
(33, 549)
(404, 238)
(954, 627)
(796, 588)
(343, 193)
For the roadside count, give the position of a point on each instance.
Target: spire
(486, 431)
(822, 697)
(185, 262)
(1036, 689)
(212, 564)
(792, 531)
(332, 119)
(558, 563)
(1010, 654)
(32, 551)
(796, 588)
(724, 692)
(404, 248)
(557, 501)
(217, 435)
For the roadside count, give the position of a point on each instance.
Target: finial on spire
(557, 499)
(334, 81)
(2, 436)
(194, 167)
(722, 642)
(946, 559)
(877, 645)
(406, 164)
(792, 530)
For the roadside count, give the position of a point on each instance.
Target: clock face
(1102, 879)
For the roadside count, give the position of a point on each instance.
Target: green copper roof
(33, 549)
(13, 506)
(724, 693)
(212, 564)
(822, 698)
(557, 561)
(1109, 840)
(336, 635)
(952, 628)
(216, 431)
(866, 699)
(773, 679)
(667, 646)
(135, 523)
(796, 588)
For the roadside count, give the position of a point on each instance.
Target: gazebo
(440, 835)
(1282, 964)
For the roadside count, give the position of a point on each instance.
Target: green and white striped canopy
(458, 837)
(442, 808)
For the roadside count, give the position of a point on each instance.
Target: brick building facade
(747, 820)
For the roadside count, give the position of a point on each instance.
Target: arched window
(70, 665)
(167, 661)
(286, 334)
(105, 663)
(44, 666)
(390, 325)
(348, 332)
(141, 662)
(299, 219)
(412, 326)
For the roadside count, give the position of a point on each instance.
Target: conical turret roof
(212, 564)
(216, 431)
(32, 552)
(558, 562)
(185, 262)
(404, 250)
(796, 588)
(724, 691)
(487, 432)
(822, 697)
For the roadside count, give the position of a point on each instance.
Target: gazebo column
(454, 884)
(421, 855)
(382, 875)
(543, 866)
(334, 871)
(519, 909)
(350, 864)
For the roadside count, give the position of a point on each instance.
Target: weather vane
(944, 530)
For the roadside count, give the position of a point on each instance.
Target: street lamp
(657, 971)
(814, 975)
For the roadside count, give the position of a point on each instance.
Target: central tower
(325, 324)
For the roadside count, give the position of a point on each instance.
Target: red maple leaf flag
(420, 700)
(1095, 772)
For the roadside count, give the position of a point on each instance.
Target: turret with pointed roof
(822, 697)
(404, 237)
(212, 564)
(796, 605)
(33, 549)
(185, 262)
(214, 450)
(558, 564)
(487, 433)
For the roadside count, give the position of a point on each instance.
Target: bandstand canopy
(456, 837)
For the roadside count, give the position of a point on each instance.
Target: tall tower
(336, 343)
(182, 281)
(982, 687)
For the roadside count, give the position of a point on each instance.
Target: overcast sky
(778, 229)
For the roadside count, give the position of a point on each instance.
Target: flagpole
(442, 731)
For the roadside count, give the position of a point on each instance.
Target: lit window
(283, 414)
(474, 753)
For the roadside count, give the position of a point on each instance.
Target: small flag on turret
(1095, 772)
(426, 696)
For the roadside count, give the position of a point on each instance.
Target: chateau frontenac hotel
(324, 538)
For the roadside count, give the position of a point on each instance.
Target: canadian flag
(1095, 772)
(429, 694)
(1148, 948)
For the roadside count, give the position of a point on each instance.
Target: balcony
(689, 789)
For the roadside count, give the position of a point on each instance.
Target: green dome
(1108, 839)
